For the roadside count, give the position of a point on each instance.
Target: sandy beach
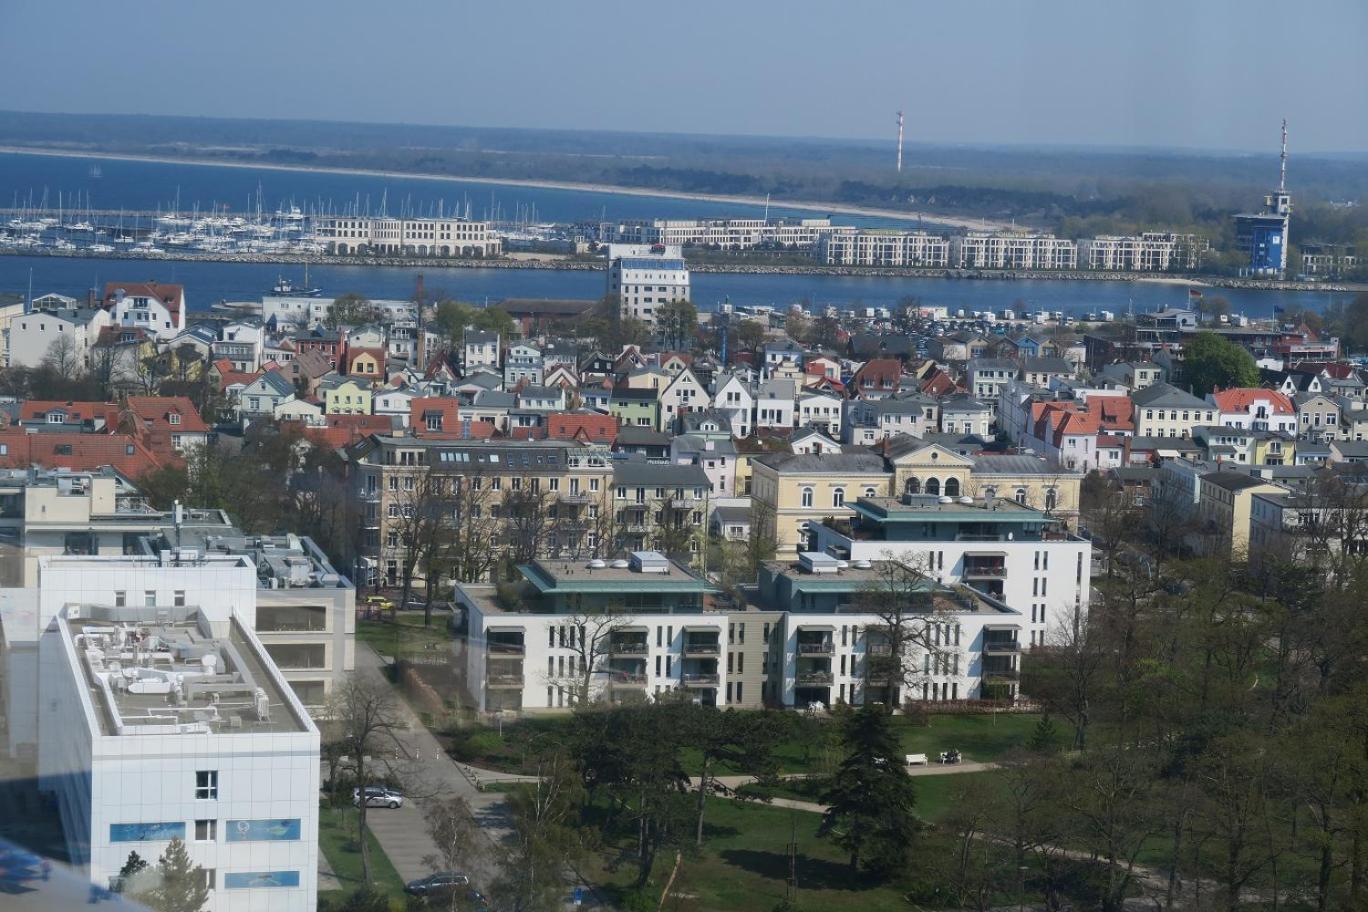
(805, 205)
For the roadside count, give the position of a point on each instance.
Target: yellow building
(346, 396)
(789, 490)
(1163, 410)
(1030, 481)
(1224, 511)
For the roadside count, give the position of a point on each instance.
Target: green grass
(407, 636)
(337, 841)
(978, 737)
(744, 865)
(935, 794)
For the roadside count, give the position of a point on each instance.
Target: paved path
(403, 832)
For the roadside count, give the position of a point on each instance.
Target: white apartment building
(165, 717)
(1152, 251)
(31, 335)
(1012, 553)
(644, 626)
(726, 234)
(445, 237)
(645, 276)
(885, 247)
(1008, 250)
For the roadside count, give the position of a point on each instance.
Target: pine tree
(1044, 737)
(871, 797)
(134, 865)
(180, 883)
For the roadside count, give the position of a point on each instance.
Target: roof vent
(650, 562)
(842, 565)
(966, 500)
(862, 565)
(817, 562)
(596, 564)
(945, 500)
(620, 564)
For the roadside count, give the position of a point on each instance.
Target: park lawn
(744, 864)
(405, 636)
(980, 737)
(935, 794)
(337, 842)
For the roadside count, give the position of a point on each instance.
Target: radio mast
(1282, 166)
(900, 139)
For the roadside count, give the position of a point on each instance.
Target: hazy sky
(1190, 73)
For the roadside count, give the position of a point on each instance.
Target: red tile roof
(445, 408)
(156, 412)
(1241, 398)
(76, 412)
(171, 296)
(572, 426)
(78, 452)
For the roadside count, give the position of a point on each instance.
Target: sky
(1215, 74)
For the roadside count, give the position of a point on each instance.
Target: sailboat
(285, 287)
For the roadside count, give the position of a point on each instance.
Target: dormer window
(56, 418)
(174, 418)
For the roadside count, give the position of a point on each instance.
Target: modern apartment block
(163, 716)
(446, 237)
(1014, 554)
(645, 276)
(887, 247)
(1152, 251)
(989, 250)
(645, 628)
(725, 234)
(305, 609)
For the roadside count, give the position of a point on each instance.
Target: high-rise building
(1263, 236)
(645, 276)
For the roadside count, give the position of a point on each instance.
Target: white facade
(31, 335)
(727, 234)
(1152, 251)
(883, 248)
(413, 237)
(986, 250)
(237, 779)
(644, 277)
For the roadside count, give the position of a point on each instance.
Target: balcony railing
(981, 570)
(700, 680)
(702, 648)
(370, 496)
(505, 680)
(1010, 674)
(506, 648)
(628, 648)
(880, 649)
(685, 503)
(1001, 647)
(576, 498)
(825, 647)
(814, 677)
(628, 679)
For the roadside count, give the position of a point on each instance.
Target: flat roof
(910, 508)
(958, 599)
(161, 671)
(578, 576)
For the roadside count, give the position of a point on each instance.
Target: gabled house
(876, 378)
(820, 410)
(158, 308)
(347, 395)
(1255, 409)
(434, 417)
(964, 415)
(775, 402)
(261, 396)
(730, 393)
(683, 394)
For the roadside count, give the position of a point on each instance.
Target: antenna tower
(1282, 165)
(900, 139)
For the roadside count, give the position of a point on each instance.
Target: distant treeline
(1076, 192)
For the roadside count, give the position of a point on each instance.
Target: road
(403, 832)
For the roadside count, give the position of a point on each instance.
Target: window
(838, 497)
(206, 830)
(807, 497)
(149, 598)
(178, 599)
(206, 784)
(120, 599)
(209, 878)
(1021, 496)
(952, 487)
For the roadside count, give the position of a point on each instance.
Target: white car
(378, 796)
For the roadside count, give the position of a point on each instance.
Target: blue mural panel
(146, 832)
(259, 879)
(263, 830)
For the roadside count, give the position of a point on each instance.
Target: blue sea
(147, 185)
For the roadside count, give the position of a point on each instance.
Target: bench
(917, 760)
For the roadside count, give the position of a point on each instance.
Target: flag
(1194, 296)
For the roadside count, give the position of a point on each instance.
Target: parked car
(379, 796)
(442, 885)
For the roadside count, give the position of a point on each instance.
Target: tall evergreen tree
(871, 797)
(180, 883)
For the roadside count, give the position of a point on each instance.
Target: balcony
(700, 680)
(814, 678)
(504, 680)
(577, 499)
(702, 648)
(1001, 647)
(495, 647)
(685, 503)
(628, 679)
(816, 648)
(1001, 668)
(628, 648)
(984, 571)
(369, 496)
(879, 649)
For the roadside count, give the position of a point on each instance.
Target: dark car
(442, 885)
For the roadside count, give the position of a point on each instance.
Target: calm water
(152, 185)
(208, 283)
(147, 185)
